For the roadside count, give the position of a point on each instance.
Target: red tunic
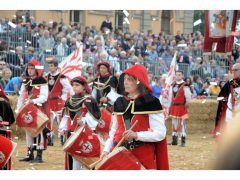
(54, 97)
(148, 157)
(35, 94)
(178, 107)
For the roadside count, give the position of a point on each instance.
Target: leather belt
(133, 144)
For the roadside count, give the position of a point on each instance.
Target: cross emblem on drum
(28, 118)
(86, 147)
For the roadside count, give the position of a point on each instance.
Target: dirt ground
(197, 155)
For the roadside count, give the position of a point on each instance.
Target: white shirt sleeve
(20, 98)
(112, 96)
(43, 95)
(66, 88)
(91, 122)
(109, 142)
(157, 131)
(187, 93)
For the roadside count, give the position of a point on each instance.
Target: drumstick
(120, 142)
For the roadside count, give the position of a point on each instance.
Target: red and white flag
(219, 25)
(166, 94)
(72, 65)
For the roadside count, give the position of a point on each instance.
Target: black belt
(133, 144)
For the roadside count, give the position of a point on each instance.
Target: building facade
(165, 21)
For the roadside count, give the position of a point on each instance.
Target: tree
(199, 14)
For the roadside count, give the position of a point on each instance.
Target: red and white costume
(59, 90)
(181, 95)
(150, 146)
(37, 90)
(79, 106)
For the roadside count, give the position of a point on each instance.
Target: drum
(84, 145)
(104, 123)
(7, 148)
(32, 119)
(119, 159)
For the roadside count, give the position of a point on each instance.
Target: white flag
(71, 66)
(166, 94)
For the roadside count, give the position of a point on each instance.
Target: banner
(219, 25)
(72, 65)
(166, 94)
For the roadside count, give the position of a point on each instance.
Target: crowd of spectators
(122, 48)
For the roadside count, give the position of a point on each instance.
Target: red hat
(37, 66)
(83, 81)
(139, 72)
(7, 148)
(105, 63)
(2, 93)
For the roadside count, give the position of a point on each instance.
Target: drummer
(6, 119)
(83, 107)
(139, 105)
(104, 85)
(34, 90)
(6, 113)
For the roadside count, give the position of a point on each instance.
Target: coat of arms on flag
(72, 65)
(219, 25)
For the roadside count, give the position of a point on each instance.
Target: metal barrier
(155, 68)
(204, 71)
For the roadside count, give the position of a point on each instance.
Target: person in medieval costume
(6, 113)
(147, 139)
(34, 90)
(181, 95)
(79, 109)
(59, 90)
(228, 106)
(104, 85)
(6, 120)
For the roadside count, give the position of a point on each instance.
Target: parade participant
(6, 119)
(79, 109)
(181, 95)
(103, 84)
(139, 105)
(6, 113)
(59, 90)
(34, 90)
(225, 107)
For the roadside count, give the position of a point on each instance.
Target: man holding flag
(59, 90)
(174, 97)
